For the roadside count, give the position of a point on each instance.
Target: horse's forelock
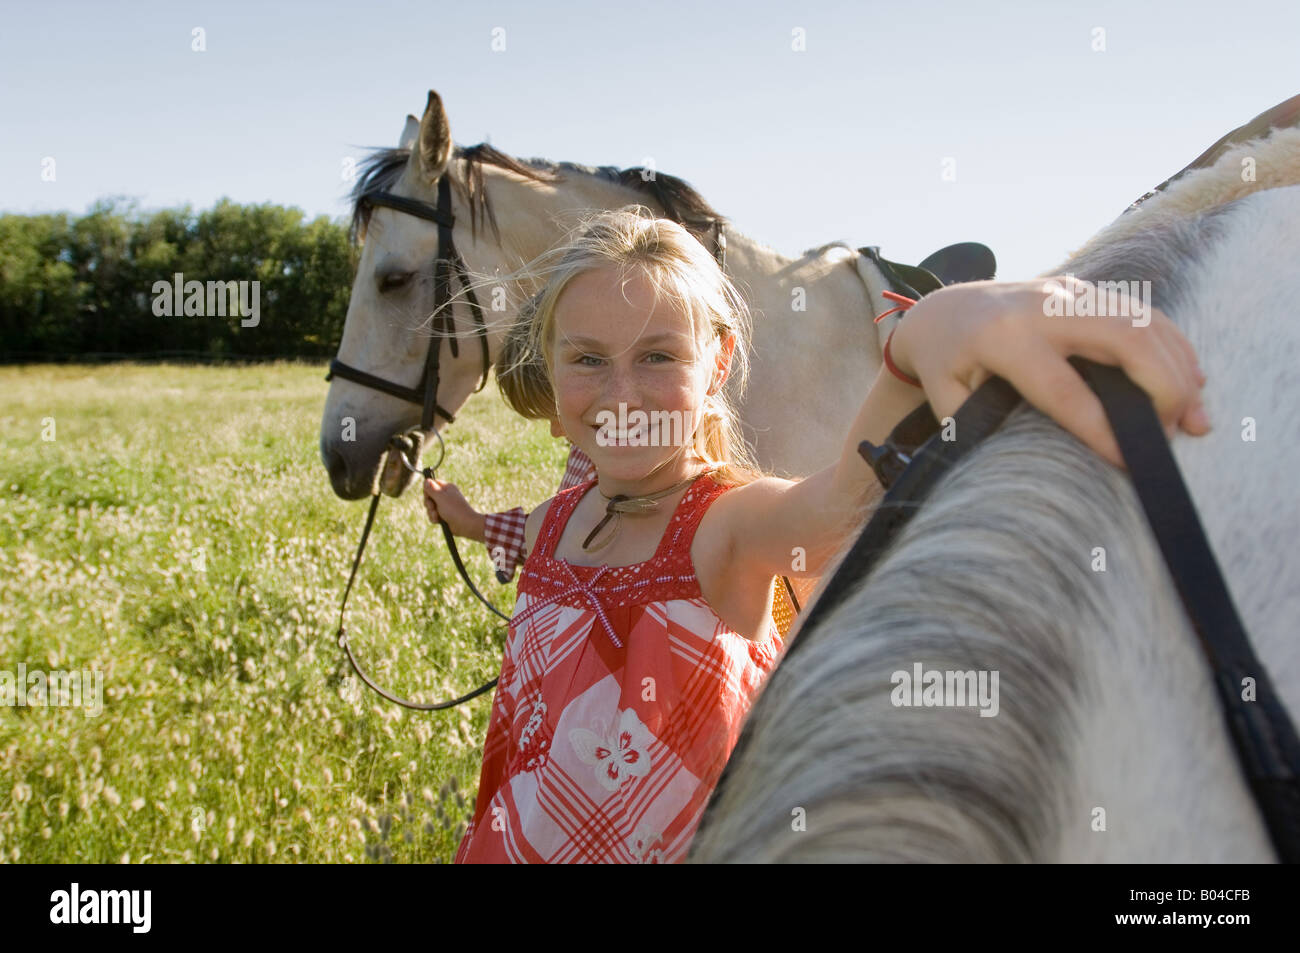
(379, 172)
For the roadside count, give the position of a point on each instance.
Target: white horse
(814, 352)
(1108, 743)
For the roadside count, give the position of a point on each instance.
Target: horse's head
(390, 324)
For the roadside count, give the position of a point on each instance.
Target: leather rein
(448, 265)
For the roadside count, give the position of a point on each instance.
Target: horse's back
(1032, 559)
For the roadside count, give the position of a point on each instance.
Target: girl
(643, 623)
(524, 383)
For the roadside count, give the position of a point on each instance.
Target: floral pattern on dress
(617, 757)
(647, 846)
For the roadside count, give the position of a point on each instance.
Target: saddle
(965, 261)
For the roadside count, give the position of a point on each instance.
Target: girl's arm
(953, 340)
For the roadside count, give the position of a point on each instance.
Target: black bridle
(447, 265)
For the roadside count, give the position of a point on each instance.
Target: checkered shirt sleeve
(578, 470)
(503, 533)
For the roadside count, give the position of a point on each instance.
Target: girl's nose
(621, 387)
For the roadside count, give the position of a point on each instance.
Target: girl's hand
(957, 337)
(443, 499)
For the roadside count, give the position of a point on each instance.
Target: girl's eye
(582, 359)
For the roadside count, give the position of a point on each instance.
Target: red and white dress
(620, 699)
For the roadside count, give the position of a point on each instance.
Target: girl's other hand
(955, 338)
(443, 499)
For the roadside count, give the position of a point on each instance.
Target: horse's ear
(410, 133)
(435, 139)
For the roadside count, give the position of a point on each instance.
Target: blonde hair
(678, 268)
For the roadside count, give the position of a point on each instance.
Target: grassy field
(178, 534)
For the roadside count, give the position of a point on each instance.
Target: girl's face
(616, 351)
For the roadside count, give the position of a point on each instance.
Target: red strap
(904, 303)
(893, 368)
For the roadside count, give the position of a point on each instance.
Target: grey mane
(994, 573)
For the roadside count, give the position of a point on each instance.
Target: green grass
(180, 536)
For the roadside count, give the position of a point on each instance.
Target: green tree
(77, 285)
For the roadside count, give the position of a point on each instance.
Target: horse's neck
(815, 350)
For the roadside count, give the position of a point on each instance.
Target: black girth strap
(1262, 732)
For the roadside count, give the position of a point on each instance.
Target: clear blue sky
(844, 140)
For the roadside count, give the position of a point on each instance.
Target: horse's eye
(393, 280)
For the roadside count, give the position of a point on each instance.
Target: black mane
(383, 167)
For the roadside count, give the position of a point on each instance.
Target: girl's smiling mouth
(607, 436)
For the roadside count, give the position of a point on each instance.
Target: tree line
(106, 282)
